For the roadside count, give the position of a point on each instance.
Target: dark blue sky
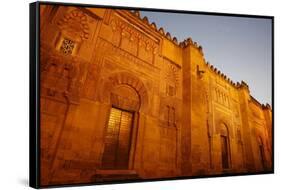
(239, 47)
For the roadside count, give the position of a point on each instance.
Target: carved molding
(75, 23)
(146, 48)
(124, 78)
(222, 119)
(221, 97)
(118, 24)
(105, 48)
(172, 75)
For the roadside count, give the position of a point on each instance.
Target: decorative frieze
(105, 48)
(221, 96)
(133, 41)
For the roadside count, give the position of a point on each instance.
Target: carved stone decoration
(67, 46)
(133, 41)
(75, 23)
(124, 78)
(105, 48)
(178, 121)
(125, 97)
(222, 96)
(62, 76)
(224, 120)
(172, 79)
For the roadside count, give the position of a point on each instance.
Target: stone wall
(183, 107)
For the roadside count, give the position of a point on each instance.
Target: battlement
(222, 75)
(167, 35)
(183, 44)
(189, 42)
(263, 106)
(161, 31)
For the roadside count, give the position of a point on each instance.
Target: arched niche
(224, 123)
(225, 146)
(126, 96)
(123, 83)
(223, 130)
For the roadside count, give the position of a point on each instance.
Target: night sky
(239, 47)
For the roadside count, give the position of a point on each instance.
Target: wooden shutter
(117, 140)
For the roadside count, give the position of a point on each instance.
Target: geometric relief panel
(221, 97)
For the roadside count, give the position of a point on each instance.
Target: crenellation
(154, 26)
(267, 106)
(175, 40)
(256, 102)
(136, 13)
(181, 44)
(188, 41)
(145, 20)
(195, 44)
(243, 83)
(161, 30)
(182, 116)
(200, 48)
(219, 73)
(168, 36)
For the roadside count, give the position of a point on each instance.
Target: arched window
(224, 146)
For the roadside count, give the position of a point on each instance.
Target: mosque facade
(121, 99)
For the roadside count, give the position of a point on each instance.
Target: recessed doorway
(118, 139)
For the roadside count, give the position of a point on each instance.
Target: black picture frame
(34, 93)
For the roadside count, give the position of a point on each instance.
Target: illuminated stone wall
(189, 119)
